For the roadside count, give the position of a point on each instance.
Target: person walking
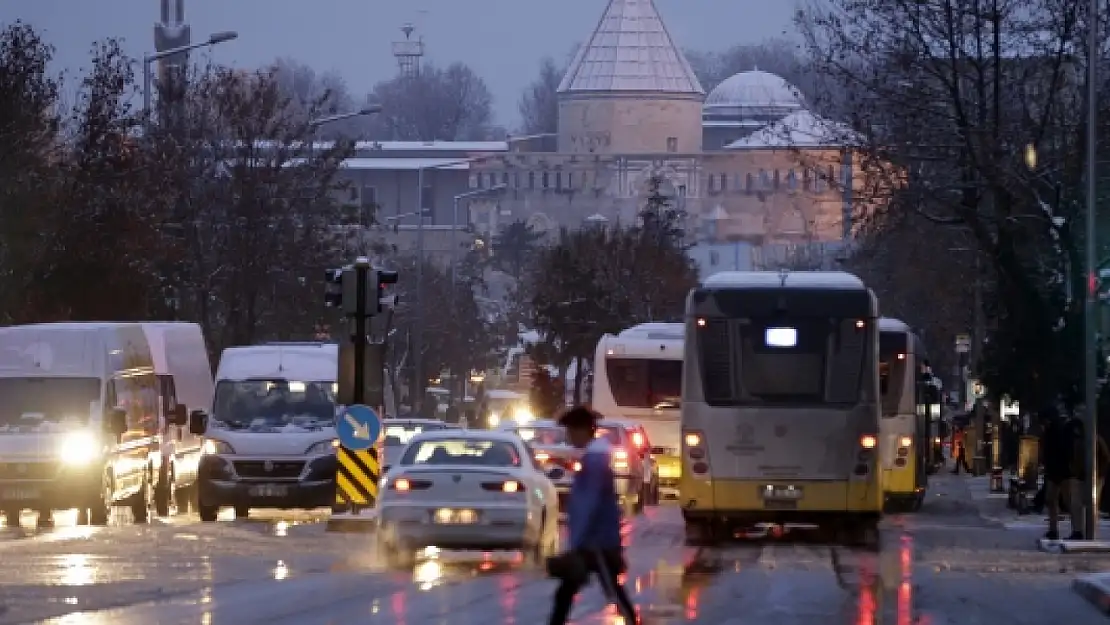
(594, 521)
(1061, 438)
(959, 442)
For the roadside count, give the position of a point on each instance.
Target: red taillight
(510, 486)
(405, 484)
(542, 457)
(638, 440)
(401, 484)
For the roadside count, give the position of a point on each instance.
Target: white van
(185, 378)
(82, 419)
(270, 440)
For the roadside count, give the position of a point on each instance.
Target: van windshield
(267, 404)
(44, 404)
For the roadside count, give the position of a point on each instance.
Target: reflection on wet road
(284, 568)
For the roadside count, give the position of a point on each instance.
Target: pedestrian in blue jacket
(594, 520)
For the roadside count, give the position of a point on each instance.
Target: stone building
(749, 164)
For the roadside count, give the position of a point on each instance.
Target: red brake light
(510, 486)
(637, 439)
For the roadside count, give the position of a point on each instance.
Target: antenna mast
(408, 52)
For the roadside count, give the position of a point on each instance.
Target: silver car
(398, 432)
(460, 489)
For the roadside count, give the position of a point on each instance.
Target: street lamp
(364, 112)
(497, 188)
(1090, 394)
(148, 60)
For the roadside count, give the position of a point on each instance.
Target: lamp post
(338, 117)
(148, 60)
(497, 188)
(1090, 394)
(418, 325)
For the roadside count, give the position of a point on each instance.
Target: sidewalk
(992, 507)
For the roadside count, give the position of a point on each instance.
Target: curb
(1075, 546)
(1095, 589)
(353, 523)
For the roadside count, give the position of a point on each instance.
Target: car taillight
(510, 486)
(620, 460)
(405, 484)
(542, 457)
(577, 466)
(638, 440)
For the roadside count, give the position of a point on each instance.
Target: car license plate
(269, 490)
(448, 516)
(782, 493)
(20, 494)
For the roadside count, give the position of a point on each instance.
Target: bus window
(642, 383)
(892, 371)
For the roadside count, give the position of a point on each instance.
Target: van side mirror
(179, 416)
(198, 422)
(117, 422)
(556, 473)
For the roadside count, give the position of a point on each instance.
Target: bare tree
(539, 104)
(314, 93)
(945, 97)
(449, 104)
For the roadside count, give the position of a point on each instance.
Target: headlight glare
(215, 447)
(79, 447)
(322, 448)
(523, 415)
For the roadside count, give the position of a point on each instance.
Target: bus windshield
(807, 360)
(644, 383)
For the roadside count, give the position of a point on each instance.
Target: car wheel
(208, 514)
(141, 501)
(165, 493)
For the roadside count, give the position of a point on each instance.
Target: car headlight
(494, 419)
(322, 448)
(523, 415)
(215, 447)
(79, 447)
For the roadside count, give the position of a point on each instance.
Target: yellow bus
(780, 406)
(904, 441)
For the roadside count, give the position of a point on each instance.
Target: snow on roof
(655, 331)
(446, 146)
(889, 324)
(391, 164)
(630, 50)
(794, 279)
(757, 90)
(299, 362)
(802, 129)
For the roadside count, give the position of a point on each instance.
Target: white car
(549, 446)
(459, 489)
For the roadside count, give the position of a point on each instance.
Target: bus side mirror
(117, 422)
(198, 422)
(179, 416)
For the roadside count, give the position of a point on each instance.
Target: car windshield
(268, 404)
(44, 404)
(397, 435)
(542, 435)
(462, 451)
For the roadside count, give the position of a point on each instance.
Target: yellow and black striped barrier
(356, 478)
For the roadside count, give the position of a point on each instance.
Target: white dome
(755, 93)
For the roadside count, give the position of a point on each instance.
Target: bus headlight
(79, 448)
(523, 415)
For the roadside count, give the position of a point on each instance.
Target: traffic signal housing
(383, 278)
(333, 288)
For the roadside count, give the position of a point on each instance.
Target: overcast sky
(503, 40)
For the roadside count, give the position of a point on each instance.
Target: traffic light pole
(361, 333)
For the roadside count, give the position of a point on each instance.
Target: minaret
(171, 32)
(408, 52)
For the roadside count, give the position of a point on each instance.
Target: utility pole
(1090, 392)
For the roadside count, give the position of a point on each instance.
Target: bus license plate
(269, 490)
(782, 493)
(19, 494)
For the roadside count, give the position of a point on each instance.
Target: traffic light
(382, 278)
(333, 288)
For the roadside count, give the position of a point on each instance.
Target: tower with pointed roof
(629, 89)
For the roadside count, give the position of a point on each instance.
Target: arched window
(777, 180)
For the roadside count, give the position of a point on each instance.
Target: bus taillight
(868, 441)
(693, 444)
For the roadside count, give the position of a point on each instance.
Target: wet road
(944, 565)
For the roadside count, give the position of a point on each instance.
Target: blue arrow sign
(358, 427)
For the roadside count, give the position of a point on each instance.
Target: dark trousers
(961, 461)
(607, 566)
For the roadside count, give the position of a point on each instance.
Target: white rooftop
(755, 91)
(795, 279)
(802, 129)
(630, 50)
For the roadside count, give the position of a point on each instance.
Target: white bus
(781, 406)
(638, 376)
